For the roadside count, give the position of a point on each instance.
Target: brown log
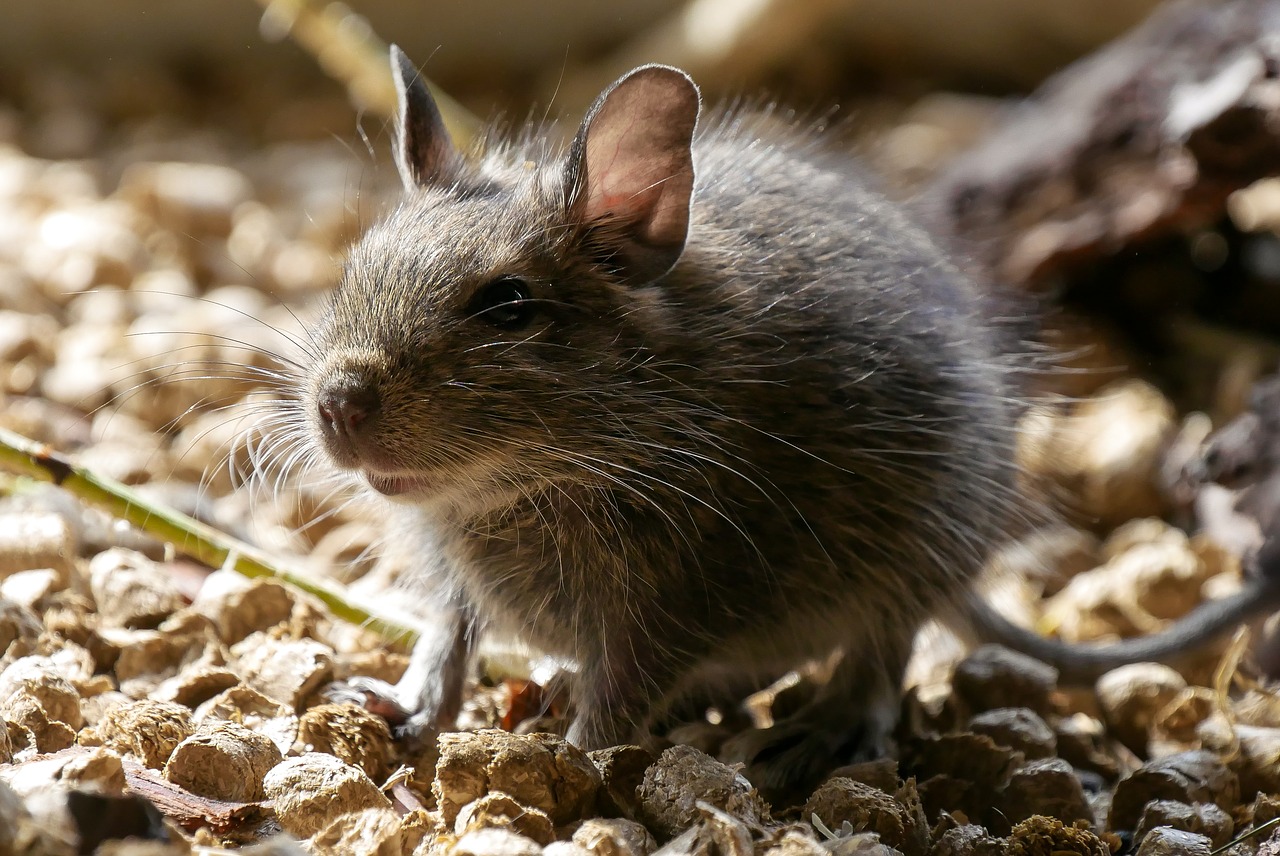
(1146, 137)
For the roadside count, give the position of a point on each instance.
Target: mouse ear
(424, 153)
(630, 169)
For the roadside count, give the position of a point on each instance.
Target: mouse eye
(504, 303)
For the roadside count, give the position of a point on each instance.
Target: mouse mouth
(393, 485)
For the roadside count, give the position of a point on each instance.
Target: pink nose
(348, 407)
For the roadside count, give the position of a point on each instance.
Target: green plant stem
(187, 535)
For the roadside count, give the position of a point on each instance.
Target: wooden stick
(187, 535)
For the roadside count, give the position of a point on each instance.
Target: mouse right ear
(630, 170)
(425, 155)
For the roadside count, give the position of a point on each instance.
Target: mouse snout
(348, 407)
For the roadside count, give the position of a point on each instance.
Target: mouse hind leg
(850, 719)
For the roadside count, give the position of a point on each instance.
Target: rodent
(683, 401)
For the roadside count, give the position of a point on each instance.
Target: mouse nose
(348, 407)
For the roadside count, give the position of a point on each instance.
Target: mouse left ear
(630, 170)
(425, 155)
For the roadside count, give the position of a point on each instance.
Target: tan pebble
(1202, 818)
(36, 682)
(32, 589)
(680, 778)
(496, 809)
(312, 789)
(148, 657)
(614, 837)
(31, 540)
(284, 669)
(1049, 787)
(494, 842)
(95, 769)
(147, 730)
(621, 770)
(131, 590)
(195, 684)
(372, 832)
(721, 832)
(538, 770)
(224, 761)
(995, 677)
(1131, 697)
(239, 606)
(868, 809)
(1038, 836)
(350, 733)
(1189, 777)
(1018, 728)
(1166, 841)
(967, 840)
(252, 709)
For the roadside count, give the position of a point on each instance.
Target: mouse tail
(1083, 663)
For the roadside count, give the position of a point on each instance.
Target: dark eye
(504, 303)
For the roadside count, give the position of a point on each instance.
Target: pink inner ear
(639, 168)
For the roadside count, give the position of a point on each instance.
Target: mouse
(681, 401)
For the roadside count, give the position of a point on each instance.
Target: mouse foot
(791, 757)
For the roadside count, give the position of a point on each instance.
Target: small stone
(131, 590)
(312, 789)
(1189, 777)
(373, 831)
(1045, 787)
(289, 670)
(497, 810)
(538, 770)
(1166, 841)
(680, 778)
(1017, 728)
(253, 710)
(995, 677)
(36, 539)
(225, 761)
(351, 734)
(239, 607)
(147, 730)
(614, 837)
(1201, 818)
(866, 809)
(1131, 697)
